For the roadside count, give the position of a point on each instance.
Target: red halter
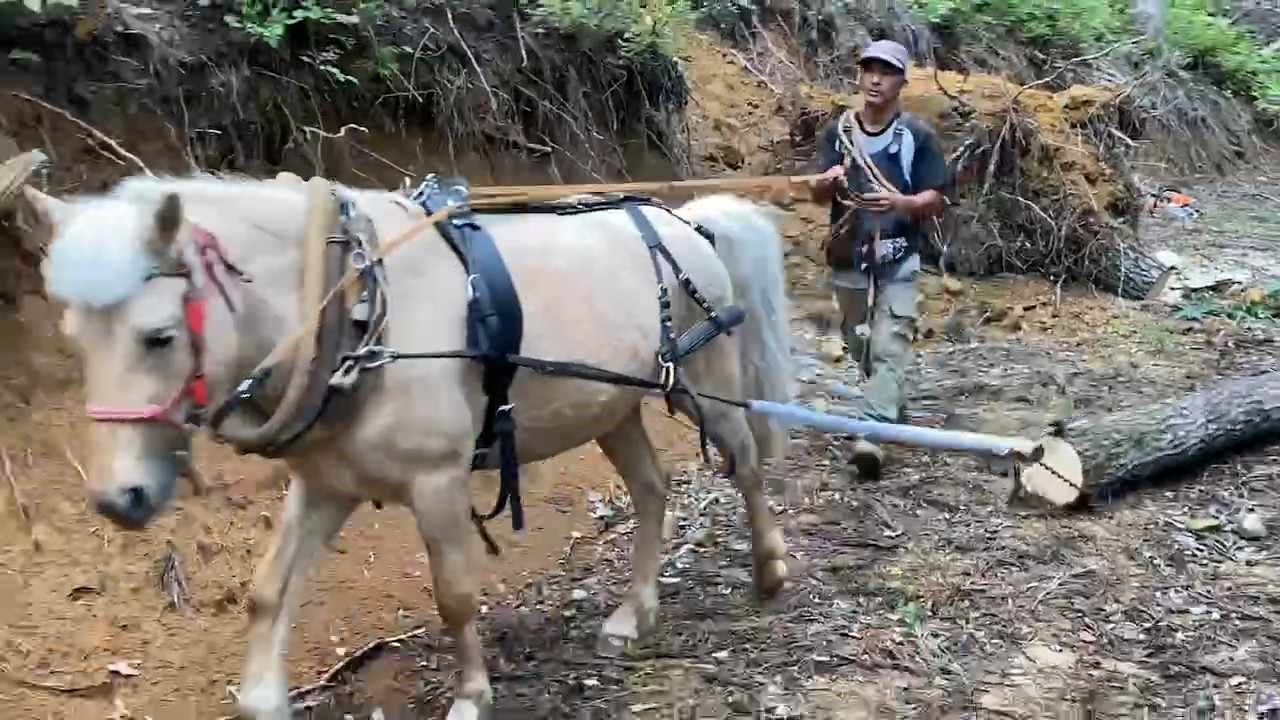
(194, 306)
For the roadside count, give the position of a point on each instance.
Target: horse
(174, 288)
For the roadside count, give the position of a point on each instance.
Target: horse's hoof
(612, 646)
(251, 710)
(772, 578)
(468, 710)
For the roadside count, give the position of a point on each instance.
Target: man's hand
(924, 203)
(823, 186)
(885, 201)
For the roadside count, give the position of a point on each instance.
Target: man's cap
(887, 50)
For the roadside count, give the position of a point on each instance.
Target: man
(883, 172)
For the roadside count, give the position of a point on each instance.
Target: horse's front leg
(312, 516)
(442, 506)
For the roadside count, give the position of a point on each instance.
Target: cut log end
(1053, 474)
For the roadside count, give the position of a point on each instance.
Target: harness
(494, 329)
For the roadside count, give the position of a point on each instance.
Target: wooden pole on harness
(478, 197)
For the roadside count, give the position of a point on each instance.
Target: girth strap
(495, 327)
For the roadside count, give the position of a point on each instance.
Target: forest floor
(917, 594)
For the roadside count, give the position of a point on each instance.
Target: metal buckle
(667, 376)
(374, 356)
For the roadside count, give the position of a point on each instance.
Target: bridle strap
(195, 312)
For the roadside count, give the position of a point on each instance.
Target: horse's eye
(159, 339)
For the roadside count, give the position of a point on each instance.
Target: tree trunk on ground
(1148, 444)
(1128, 271)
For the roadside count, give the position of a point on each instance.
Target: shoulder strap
(906, 151)
(852, 140)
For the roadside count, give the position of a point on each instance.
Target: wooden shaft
(506, 193)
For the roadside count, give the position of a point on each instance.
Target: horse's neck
(266, 307)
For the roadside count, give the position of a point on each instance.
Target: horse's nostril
(131, 507)
(135, 499)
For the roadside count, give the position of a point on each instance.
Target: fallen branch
(87, 128)
(350, 663)
(493, 101)
(751, 69)
(1073, 61)
(97, 689)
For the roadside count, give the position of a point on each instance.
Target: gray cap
(887, 50)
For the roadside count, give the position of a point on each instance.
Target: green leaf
(1203, 524)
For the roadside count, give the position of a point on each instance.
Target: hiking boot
(866, 457)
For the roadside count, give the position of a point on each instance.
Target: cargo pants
(893, 323)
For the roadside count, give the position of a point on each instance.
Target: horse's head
(126, 268)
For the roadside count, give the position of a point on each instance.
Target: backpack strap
(906, 151)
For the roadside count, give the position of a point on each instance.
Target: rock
(726, 154)
(1250, 526)
(952, 286)
(831, 349)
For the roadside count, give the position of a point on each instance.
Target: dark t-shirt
(928, 172)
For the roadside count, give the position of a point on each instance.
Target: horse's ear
(168, 221)
(49, 210)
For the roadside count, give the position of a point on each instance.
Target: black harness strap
(669, 350)
(495, 327)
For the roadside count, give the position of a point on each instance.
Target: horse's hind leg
(629, 449)
(311, 517)
(728, 429)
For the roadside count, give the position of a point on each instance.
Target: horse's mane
(98, 256)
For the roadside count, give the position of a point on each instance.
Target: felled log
(1126, 270)
(1148, 444)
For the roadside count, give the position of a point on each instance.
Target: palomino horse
(150, 276)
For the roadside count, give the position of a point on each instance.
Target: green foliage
(267, 20)
(1197, 38)
(1212, 44)
(641, 28)
(1080, 23)
(1252, 306)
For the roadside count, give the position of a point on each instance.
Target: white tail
(748, 242)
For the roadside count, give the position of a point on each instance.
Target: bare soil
(918, 594)
(91, 595)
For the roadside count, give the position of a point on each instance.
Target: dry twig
(1073, 61)
(87, 128)
(24, 510)
(493, 101)
(96, 689)
(172, 580)
(351, 662)
(84, 477)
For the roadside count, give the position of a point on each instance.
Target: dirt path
(91, 595)
(921, 594)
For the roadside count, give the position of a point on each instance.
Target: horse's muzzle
(129, 507)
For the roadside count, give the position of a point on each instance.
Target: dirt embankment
(169, 84)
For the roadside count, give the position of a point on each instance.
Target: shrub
(641, 28)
